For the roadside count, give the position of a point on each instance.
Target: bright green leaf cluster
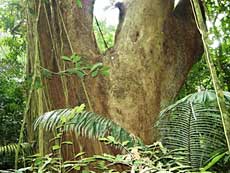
(83, 69)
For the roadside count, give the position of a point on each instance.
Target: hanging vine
(36, 73)
(219, 92)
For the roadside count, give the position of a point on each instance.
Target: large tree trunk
(154, 50)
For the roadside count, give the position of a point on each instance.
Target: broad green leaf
(66, 58)
(213, 161)
(38, 161)
(77, 167)
(105, 73)
(55, 147)
(94, 73)
(96, 66)
(105, 70)
(76, 71)
(79, 4)
(75, 58)
(80, 73)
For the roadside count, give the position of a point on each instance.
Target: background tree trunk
(154, 51)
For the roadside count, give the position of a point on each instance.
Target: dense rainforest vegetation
(80, 95)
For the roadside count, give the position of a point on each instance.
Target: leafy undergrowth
(142, 159)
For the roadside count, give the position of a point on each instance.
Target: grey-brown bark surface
(152, 56)
(154, 51)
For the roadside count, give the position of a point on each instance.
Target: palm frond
(194, 124)
(10, 149)
(87, 124)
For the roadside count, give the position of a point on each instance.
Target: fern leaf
(11, 148)
(86, 124)
(194, 124)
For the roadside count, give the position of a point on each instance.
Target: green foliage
(11, 106)
(83, 123)
(12, 58)
(81, 68)
(214, 160)
(197, 115)
(218, 13)
(108, 34)
(136, 157)
(79, 4)
(86, 124)
(219, 36)
(194, 124)
(151, 158)
(11, 148)
(11, 91)
(7, 154)
(11, 17)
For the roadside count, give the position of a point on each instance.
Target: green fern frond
(194, 124)
(11, 148)
(87, 124)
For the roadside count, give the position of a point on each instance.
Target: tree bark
(154, 51)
